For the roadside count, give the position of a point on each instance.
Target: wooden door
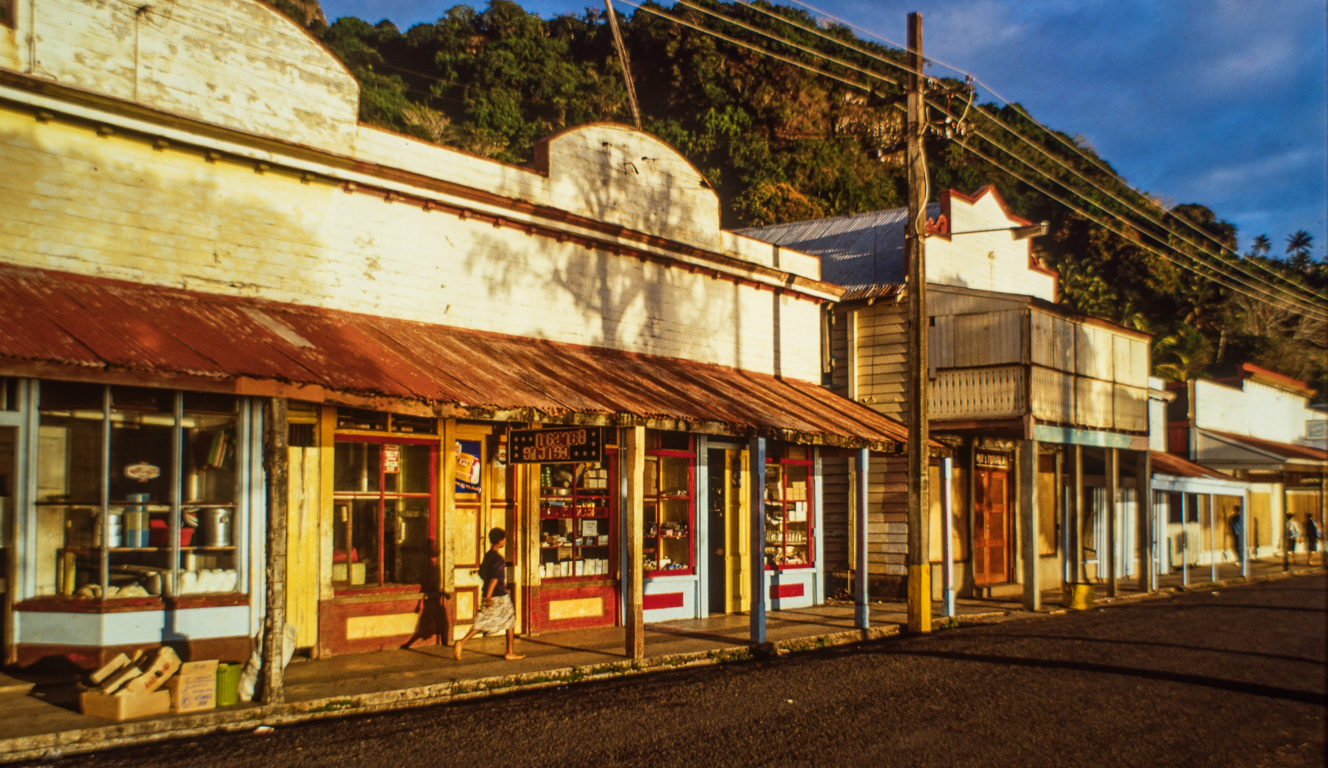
(991, 526)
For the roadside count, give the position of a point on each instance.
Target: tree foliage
(780, 143)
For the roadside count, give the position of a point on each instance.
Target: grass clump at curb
(340, 705)
(730, 655)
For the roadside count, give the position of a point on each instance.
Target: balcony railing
(1057, 398)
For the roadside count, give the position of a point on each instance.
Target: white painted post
(947, 493)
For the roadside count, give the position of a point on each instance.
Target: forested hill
(781, 143)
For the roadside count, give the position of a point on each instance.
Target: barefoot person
(497, 614)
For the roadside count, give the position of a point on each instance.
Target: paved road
(1235, 678)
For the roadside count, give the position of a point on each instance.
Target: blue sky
(1217, 102)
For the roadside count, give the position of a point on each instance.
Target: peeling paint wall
(235, 63)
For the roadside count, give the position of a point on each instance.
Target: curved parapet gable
(615, 174)
(235, 63)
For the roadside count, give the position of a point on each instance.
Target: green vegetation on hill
(780, 143)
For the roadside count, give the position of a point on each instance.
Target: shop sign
(1303, 480)
(578, 444)
(993, 460)
(391, 459)
(142, 471)
(468, 466)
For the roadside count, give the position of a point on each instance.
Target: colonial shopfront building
(1045, 408)
(251, 342)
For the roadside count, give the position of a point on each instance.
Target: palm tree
(1298, 247)
(1261, 246)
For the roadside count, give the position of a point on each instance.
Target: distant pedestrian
(1237, 527)
(1292, 533)
(497, 614)
(1312, 537)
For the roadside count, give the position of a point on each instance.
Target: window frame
(782, 544)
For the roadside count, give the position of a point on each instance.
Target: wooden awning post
(634, 478)
(1028, 512)
(276, 458)
(756, 455)
(1143, 515)
(1110, 556)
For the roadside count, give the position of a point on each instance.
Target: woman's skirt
(499, 617)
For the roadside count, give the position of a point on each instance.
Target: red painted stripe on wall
(786, 590)
(664, 600)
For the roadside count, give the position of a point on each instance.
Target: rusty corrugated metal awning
(67, 326)
(1171, 464)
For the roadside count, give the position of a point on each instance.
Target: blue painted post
(756, 455)
(947, 531)
(1244, 526)
(862, 613)
(1185, 539)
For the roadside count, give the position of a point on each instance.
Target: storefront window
(669, 545)
(576, 520)
(137, 492)
(383, 512)
(788, 514)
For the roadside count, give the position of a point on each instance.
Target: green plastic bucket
(228, 684)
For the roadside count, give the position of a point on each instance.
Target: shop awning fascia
(75, 327)
(1263, 454)
(1179, 475)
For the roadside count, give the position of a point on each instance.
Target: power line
(1209, 271)
(1296, 290)
(1096, 162)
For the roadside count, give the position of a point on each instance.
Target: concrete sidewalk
(42, 719)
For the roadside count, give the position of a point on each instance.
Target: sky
(1218, 102)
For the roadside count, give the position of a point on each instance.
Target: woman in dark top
(497, 614)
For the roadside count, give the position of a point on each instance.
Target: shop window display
(789, 518)
(137, 492)
(576, 520)
(669, 545)
(383, 512)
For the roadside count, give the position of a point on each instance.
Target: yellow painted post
(446, 554)
(633, 517)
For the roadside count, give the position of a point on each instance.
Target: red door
(991, 525)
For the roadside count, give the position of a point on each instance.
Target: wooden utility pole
(919, 497)
(276, 460)
(626, 66)
(634, 469)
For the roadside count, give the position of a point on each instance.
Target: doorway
(991, 526)
(728, 526)
(8, 444)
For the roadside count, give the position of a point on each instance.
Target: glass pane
(354, 418)
(675, 478)
(142, 440)
(210, 452)
(355, 542)
(675, 441)
(416, 469)
(409, 554)
(356, 467)
(498, 469)
(66, 557)
(414, 424)
(69, 460)
(59, 396)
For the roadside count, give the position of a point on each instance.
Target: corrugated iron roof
(859, 252)
(95, 323)
(1284, 450)
(1171, 464)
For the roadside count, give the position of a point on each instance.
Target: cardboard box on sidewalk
(194, 687)
(125, 706)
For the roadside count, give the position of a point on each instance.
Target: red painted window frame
(611, 494)
(393, 439)
(689, 454)
(811, 512)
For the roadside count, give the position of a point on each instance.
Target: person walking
(1312, 537)
(1236, 525)
(497, 613)
(1292, 533)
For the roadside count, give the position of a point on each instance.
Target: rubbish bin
(228, 684)
(1078, 597)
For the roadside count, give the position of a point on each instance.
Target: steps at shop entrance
(1000, 592)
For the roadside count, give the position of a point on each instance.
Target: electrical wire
(1092, 159)
(1158, 221)
(1208, 271)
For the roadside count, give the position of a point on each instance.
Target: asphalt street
(1230, 678)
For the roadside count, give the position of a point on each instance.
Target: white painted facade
(985, 260)
(1254, 409)
(102, 191)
